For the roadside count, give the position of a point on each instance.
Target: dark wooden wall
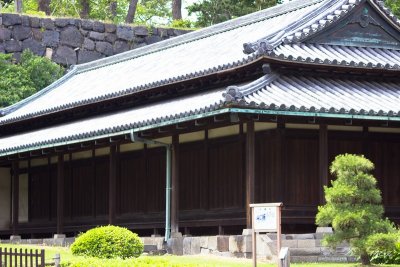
(211, 177)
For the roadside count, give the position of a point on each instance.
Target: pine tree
(353, 205)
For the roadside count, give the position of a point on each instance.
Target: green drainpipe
(136, 139)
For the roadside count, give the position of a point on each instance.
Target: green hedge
(108, 242)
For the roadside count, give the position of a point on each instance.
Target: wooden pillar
(280, 163)
(250, 172)
(365, 142)
(60, 194)
(323, 160)
(15, 196)
(112, 185)
(175, 185)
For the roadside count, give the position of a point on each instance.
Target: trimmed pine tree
(353, 206)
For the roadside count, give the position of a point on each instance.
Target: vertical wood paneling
(226, 174)
(82, 190)
(155, 180)
(102, 171)
(266, 186)
(385, 154)
(193, 175)
(39, 193)
(132, 183)
(301, 181)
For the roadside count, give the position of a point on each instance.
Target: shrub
(353, 207)
(384, 248)
(108, 242)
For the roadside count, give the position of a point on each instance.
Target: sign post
(266, 218)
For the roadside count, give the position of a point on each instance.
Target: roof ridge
(272, 40)
(305, 32)
(199, 34)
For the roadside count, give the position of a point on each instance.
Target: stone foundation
(303, 247)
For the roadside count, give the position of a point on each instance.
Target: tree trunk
(44, 5)
(176, 9)
(85, 10)
(365, 259)
(113, 9)
(18, 6)
(131, 11)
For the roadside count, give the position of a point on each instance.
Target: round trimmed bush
(108, 242)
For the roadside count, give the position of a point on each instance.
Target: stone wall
(69, 41)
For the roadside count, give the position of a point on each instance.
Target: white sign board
(265, 219)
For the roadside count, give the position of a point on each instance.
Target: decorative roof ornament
(232, 94)
(235, 93)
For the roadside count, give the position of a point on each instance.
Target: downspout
(135, 138)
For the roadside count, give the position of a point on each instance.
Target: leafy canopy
(30, 75)
(353, 205)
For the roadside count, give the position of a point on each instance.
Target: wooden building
(250, 110)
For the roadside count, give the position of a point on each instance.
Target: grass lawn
(172, 261)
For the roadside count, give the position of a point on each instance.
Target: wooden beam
(175, 185)
(250, 170)
(323, 160)
(60, 194)
(15, 197)
(112, 185)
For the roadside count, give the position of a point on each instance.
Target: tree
(153, 11)
(353, 206)
(176, 9)
(21, 80)
(44, 5)
(18, 6)
(210, 12)
(131, 11)
(85, 9)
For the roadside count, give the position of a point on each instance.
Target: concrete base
(247, 232)
(59, 236)
(15, 238)
(176, 235)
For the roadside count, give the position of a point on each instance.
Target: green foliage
(394, 5)
(353, 206)
(21, 80)
(384, 248)
(181, 23)
(108, 242)
(210, 12)
(153, 12)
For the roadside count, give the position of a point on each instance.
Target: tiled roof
(275, 93)
(353, 96)
(195, 54)
(360, 57)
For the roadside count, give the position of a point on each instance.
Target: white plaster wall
(5, 195)
(23, 198)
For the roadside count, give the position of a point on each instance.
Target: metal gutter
(208, 114)
(313, 114)
(139, 129)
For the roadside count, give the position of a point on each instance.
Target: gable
(363, 27)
